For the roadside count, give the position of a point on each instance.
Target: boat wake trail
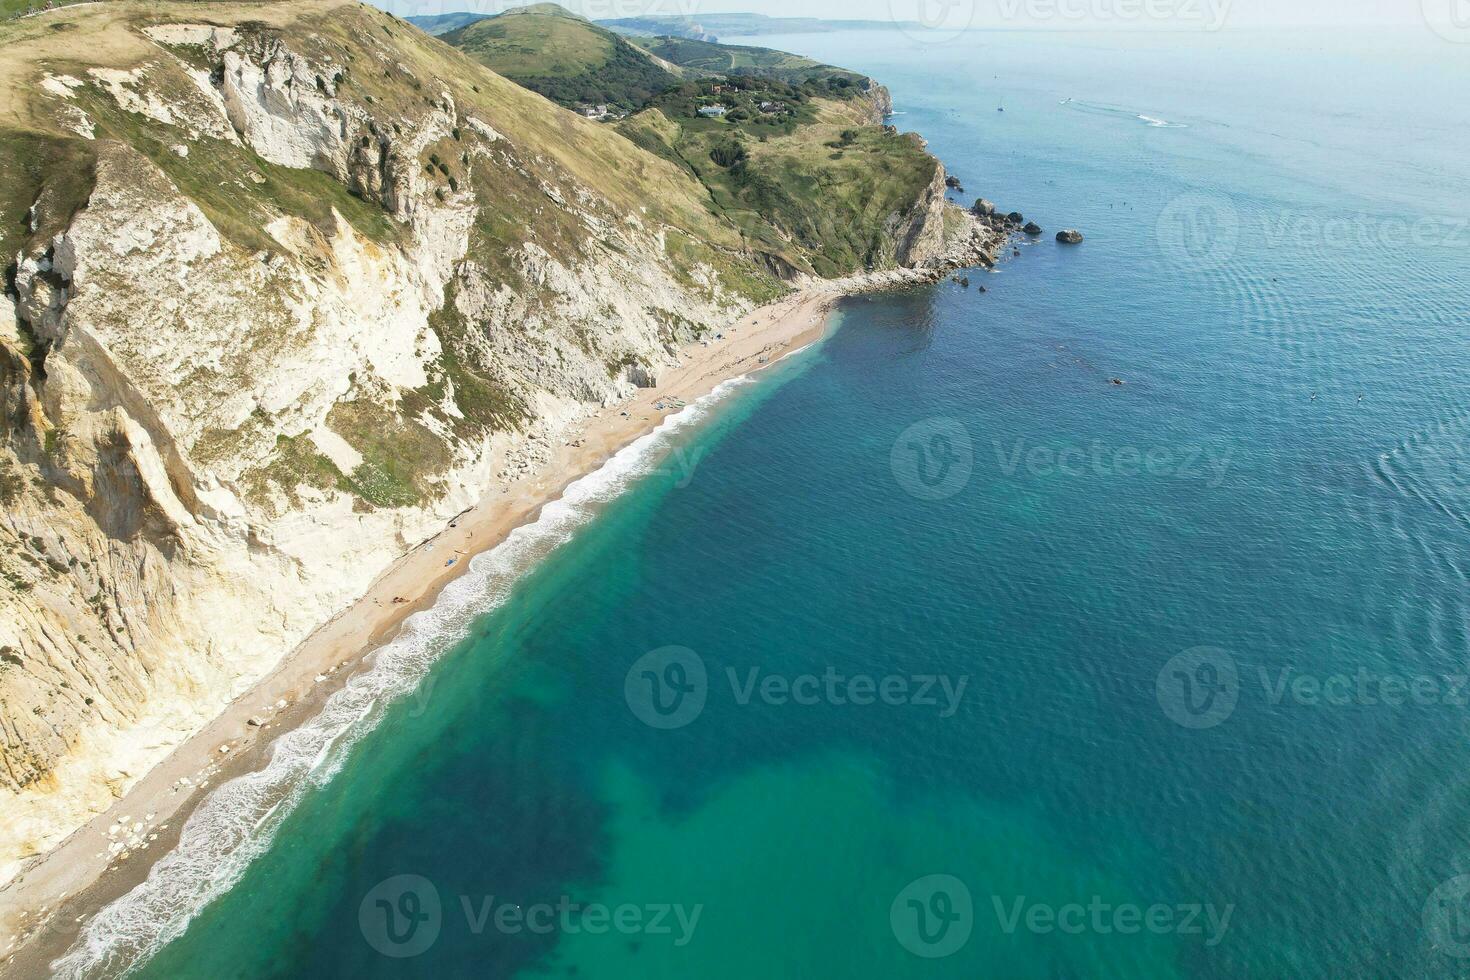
(1102, 109)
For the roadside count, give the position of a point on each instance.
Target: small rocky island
(991, 216)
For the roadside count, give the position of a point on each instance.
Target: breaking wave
(237, 821)
(1102, 109)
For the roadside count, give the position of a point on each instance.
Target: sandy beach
(41, 909)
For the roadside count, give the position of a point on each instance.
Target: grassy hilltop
(799, 161)
(739, 59)
(563, 57)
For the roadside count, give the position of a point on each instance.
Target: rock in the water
(983, 207)
(984, 290)
(1070, 237)
(1016, 218)
(963, 281)
(1032, 228)
(952, 182)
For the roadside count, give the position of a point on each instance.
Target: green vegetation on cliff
(815, 190)
(565, 58)
(50, 172)
(738, 59)
(788, 149)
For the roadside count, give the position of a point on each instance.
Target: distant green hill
(437, 24)
(565, 58)
(710, 27)
(736, 59)
(789, 150)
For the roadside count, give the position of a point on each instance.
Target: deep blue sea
(933, 652)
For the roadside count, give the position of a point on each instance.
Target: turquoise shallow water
(950, 487)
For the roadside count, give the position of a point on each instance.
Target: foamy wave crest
(1119, 112)
(236, 822)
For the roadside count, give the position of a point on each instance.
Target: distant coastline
(706, 27)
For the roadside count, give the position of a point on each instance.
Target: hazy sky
(1057, 14)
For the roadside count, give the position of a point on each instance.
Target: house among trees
(712, 111)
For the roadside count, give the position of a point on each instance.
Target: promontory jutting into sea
(820, 491)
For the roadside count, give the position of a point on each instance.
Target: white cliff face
(312, 302)
(921, 233)
(195, 427)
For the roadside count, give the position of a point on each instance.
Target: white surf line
(236, 822)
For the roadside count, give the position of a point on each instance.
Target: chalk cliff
(289, 286)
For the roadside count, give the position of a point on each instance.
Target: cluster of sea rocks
(1016, 221)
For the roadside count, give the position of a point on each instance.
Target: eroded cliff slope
(288, 286)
